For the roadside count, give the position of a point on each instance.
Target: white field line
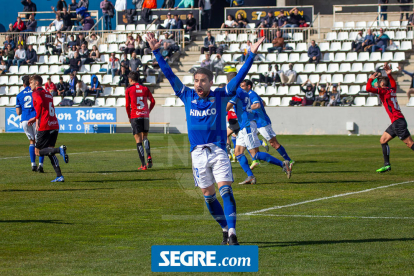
(314, 216)
(324, 198)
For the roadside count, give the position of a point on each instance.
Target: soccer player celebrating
(206, 124)
(136, 104)
(398, 125)
(25, 108)
(47, 126)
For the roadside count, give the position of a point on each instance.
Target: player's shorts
(267, 132)
(139, 125)
(210, 165)
(234, 125)
(399, 128)
(29, 130)
(247, 137)
(46, 139)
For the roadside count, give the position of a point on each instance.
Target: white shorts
(267, 132)
(210, 165)
(247, 137)
(29, 130)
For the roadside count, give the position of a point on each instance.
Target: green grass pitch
(104, 219)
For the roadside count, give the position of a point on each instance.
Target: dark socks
(141, 153)
(49, 151)
(55, 164)
(412, 147)
(147, 147)
(386, 153)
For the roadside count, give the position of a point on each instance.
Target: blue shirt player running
(25, 108)
(244, 104)
(264, 127)
(206, 124)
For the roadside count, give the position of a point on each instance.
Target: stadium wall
(286, 120)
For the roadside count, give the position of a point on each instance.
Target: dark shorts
(234, 125)
(46, 139)
(399, 128)
(139, 125)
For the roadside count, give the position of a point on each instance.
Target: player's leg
(387, 136)
(409, 142)
(228, 144)
(137, 131)
(32, 155)
(147, 147)
(32, 129)
(232, 151)
(239, 152)
(30, 132)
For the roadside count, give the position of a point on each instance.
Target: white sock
(232, 231)
(40, 164)
(225, 229)
(33, 164)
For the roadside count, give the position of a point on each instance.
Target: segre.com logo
(192, 258)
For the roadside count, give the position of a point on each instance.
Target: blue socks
(214, 206)
(233, 139)
(281, 150)
(268, 158)
(229, 207)
(32, 154)
(41, 158)
(244, 164)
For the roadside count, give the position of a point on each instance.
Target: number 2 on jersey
(27, 102)
(140, 103)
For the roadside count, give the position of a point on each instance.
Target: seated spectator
(167, 22)
(71, 42)
(191, 23)
(87, 23)
(166, 51)
(134, 63)
(29, 6)
(56, 48)
(3, 67)
(9, 55)
(123, 77)
(81, 40)
(113, 65)
(95, 88)
(357, 43)
(130, 45)
(281, 19)
(10, 29)
(392, 46)
(267, 21)
(411, 90)
(178, 23)
(62, 88)
(125, 61)
(21, 41)
(92, 40)
(368, 40)
(289, 76)
(381, 41)
(335, 95)
(309, 92)
(74, 64)
(268, 79)
(84, 55)
(206, 63)
(19, 56)
(8, 41)
(314, 53)
(19, 25)
(218, 65)
(51, 87)
(229, 23)
(411, 20)
(140, 45)
(31, 55)
(241, 21)
(246, 50)
(209, 44)
(187, 4)
(278, 43)
(80, 88)
(94, 55)
(31, 25)
(72, 52)
(294, 19)
(58, 22)
(73, 81)
(322, 99)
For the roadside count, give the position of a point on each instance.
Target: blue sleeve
(408, 73)
(233, 100)
(232, 86)
(175, 82)
(18, 104)
(254, 98)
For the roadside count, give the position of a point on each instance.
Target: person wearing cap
(167, 22)
(323, 97)
(289, 76)
(335, 95)
(190, 22)
(309, 92)
(186, 4)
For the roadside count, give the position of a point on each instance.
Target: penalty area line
(325, 198)
(316, 216)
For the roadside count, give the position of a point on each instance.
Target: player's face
(32, 85)
(202, 85)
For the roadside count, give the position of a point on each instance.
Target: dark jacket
(179, 24)
(314, 51)
(211, 42)
(123, 80)
(201, 3)
(31, 55)
(191, 23)
(62, 86)
(29, 7)
(61, 4)
(75, 64)
(31, 26)
(168, 4)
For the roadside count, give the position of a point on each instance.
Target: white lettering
(78, 127)
(60, 116)
(202, 113)
(81, 115)
(211, 257)
(70, 126)
(62, 127)
(244, 261)
(163, 255)
(231, 263)
(199, 256)
(98, 116)
(224, 262)
(175, 257)
(190, 258)
(68, 116)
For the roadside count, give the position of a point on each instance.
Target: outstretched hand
(387, 69)
(373, 76)
(256, 46)
(153, 42)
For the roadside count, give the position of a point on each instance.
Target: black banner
(255, 14)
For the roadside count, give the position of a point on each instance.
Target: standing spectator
(294, 19)
(74, 64)
(94, 55)
(84, 4)
(31, 55)
(9, 41)
(87, 23)
(267, 21)
(229, 23)
(72, 7)
(29, 6)
(209, 44)
(322, 99)
(95, 88)
(405, 9)
(186, 4)
(19, 25)
(205, 7)
(113, 65)
(411, 90)
(191, 23)
(61, 4)
(168, 4)
(108, 12)
(289, 76)
(92, 39)
(149, 4)
(383, 9)
(66, 18)
(51, 87)
(381, 41)
(309, 92)
(314, 53)
(218, 65)
(56, 48)
(134, 63)
(278, 43)
(357, 43)
(31, 24)
(58, 22)
(123, 77)
(62, 88)
(138, 4)
(368, 40)
(19, 56)
(206, 63)
(73, 81)
(140, 45)
(130, 45)
(335, 95)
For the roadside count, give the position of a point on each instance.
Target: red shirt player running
(232, 131)
(47, 126)
(136, 104)
(398, 125)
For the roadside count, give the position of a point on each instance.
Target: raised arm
(388, 71)
(229, 106)
(369, 87)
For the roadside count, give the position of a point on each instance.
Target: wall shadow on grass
(51, 221)
(57, 190)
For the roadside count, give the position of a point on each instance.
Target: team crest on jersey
(212, 100)
(194, 101)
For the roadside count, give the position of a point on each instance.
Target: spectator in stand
(335, 95)
(294, 19)
(74, 64)
(95, 88)
(302, 23)
(309, 92)
(268, 79)
(10, 29)
(167, 22)
(61, 4)
(72, 7)
(94, 55)
(241, 21)
(21, 41)
(411, 20)
(62, 88)
(322, 99)
(383, 9)
(138, 4)
(381, 41)
(80, 88)
(125, 60)
(8, 41)
(56, 48)
(206, 63)
(246, 50)
(392, 46)
(205, 7)
(10, 53)
(140, 45)
(73, 81)
(81, 40)
(72, 52)
(289, 76)
(84, 55)
(51, 87)
(19, 56)
(58, 22)
(357, 43)
(168, 4)
(178, 23)
(209, 44)
(29, 6)
(123, 77)
(19, 25)
(280, 20)
(191, 23)
(108, 12)
(31, 55)
(113, 65)
(229, 23)
(66, 18)
(278, 43)
(411, 90)
(87, 23)
(314, 53)
(368, 40)
(134, 63)
(405, 9)
(84, 3)
(71, 42)
(31, 24)
(130, 45)
(218, 65)
(3, 67)
(92, 39)
(186, 4)
(267, 21)
(166, 51)
(149, 4)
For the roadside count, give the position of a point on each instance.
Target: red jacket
(150, 4)
(50, 86)
(20, 27)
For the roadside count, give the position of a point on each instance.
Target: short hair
(60, 78)
(26, 80)
(206, 72)
(37, 78)
(221, 85)
(231, 75)
(248, 83)
(134, 76)
(49, 79)
(384, 79)
(208, 32)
